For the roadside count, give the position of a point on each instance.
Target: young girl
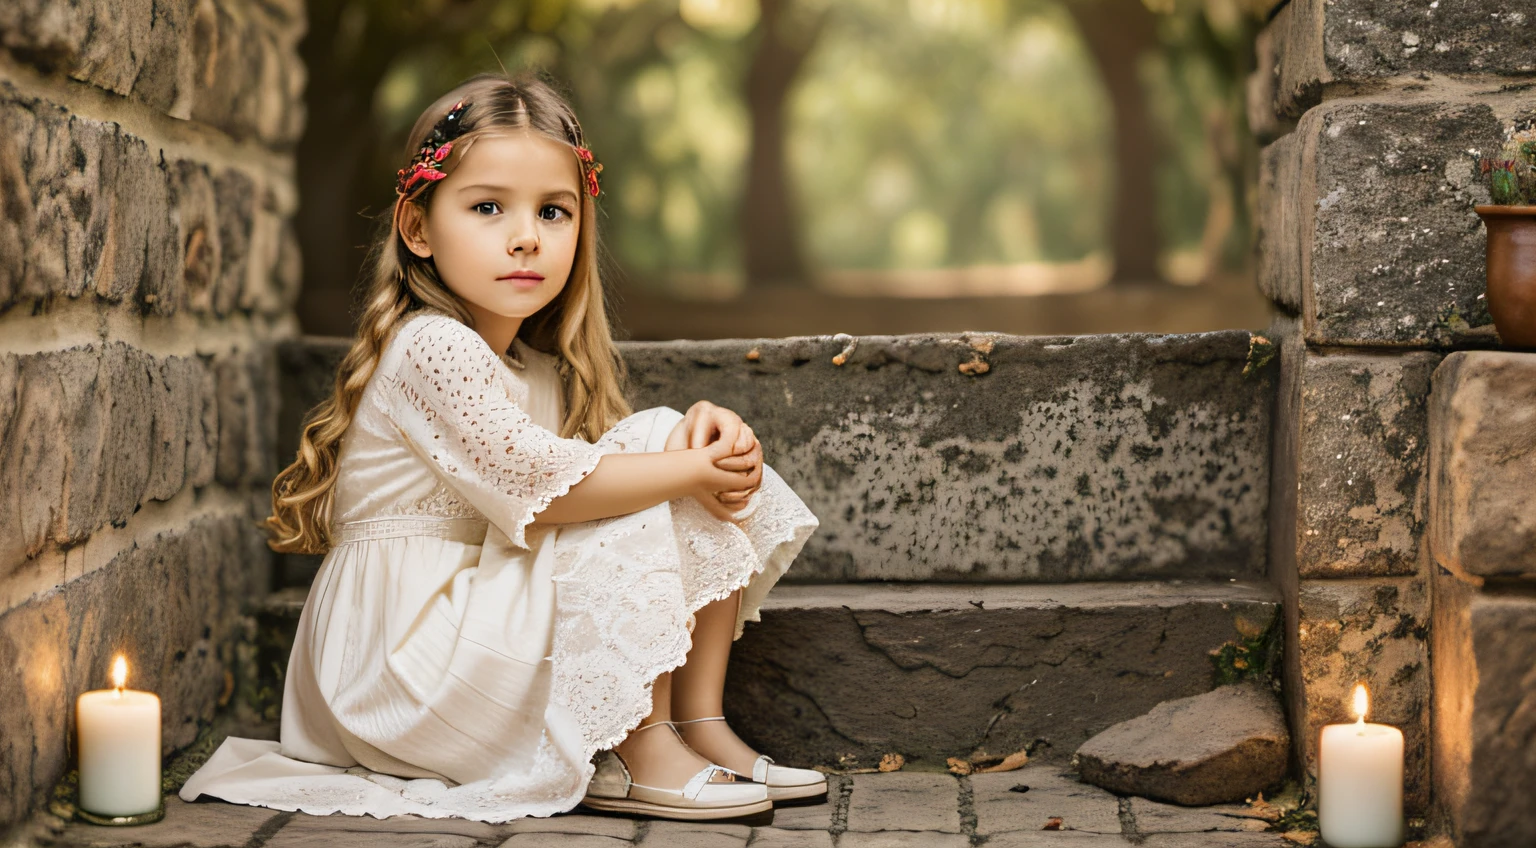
(519, 573)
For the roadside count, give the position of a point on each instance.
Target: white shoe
(612, 788)
(784, 783)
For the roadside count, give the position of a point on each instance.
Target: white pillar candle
(119, 733)
(1360, 782)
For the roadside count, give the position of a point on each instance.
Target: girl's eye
(484, 203)
(557, 212)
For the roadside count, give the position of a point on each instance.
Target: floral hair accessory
(590, 168)
(427, 166)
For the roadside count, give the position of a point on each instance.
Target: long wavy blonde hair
(573, 327)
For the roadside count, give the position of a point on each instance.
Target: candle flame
(119, 672)
(1362, 701)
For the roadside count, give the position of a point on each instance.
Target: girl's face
(502, 226)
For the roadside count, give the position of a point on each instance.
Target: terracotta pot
(1512, 272)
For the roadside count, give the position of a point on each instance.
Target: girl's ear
(413, 230)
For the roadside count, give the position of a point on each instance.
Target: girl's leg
(698, 687)
(656, 756)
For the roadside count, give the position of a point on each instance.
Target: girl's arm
(629, 482)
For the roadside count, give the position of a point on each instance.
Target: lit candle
(119, 751)
(1360, 782)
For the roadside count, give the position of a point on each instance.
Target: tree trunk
(770, 237)
(1118, 33)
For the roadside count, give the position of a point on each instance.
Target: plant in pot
(1511, 223)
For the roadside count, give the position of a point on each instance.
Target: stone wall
(1372, 115)
(1483, 537)
(147, 268)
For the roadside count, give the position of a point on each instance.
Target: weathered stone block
(1373, 632)
(844, 674)
(577, 823)
(171, 607)
(1483, 464)
(904, 801)
(91, 433)
(1151, 817)
(1485, 712)
(1051, 793)
(1357, 427)
(1067, 458)
(913, 839)
(184, 826)
(90, 213)
(1202, 840)
(854, 672)
(1279, 240)
(1226, 745)
(777, 837)
(1320, 42)
(1076, 458)
(247, 404)
(230, 64)
(343, 830)
(96, 211)
(1369, 232)
(211, 237)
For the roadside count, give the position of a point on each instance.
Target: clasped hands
(732, 448)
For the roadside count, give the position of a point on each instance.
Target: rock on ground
(1222, 746)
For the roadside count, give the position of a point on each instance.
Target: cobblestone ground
(895, 810)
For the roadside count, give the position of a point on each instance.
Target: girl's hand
(750, 463)
(707, 423)
(710, 480)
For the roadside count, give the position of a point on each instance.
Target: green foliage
(1511, 174)
(1261, 351)
(1254, 656)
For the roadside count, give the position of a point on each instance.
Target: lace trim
(441, 502)
(631, 586)
(470, 531)
(451, 397)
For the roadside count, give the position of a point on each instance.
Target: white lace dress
(454, 659)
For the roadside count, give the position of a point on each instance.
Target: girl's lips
(523, 280)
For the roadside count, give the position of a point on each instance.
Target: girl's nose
(524, 237)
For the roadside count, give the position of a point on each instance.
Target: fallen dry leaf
(1012, 762)
(1263, 809)
(892, 762)
(1300, 837)
(959, 766)
(974, 367)
(1053, 824)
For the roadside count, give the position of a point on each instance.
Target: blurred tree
(1121, 34)
(770, 225)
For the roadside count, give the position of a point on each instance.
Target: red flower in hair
(590, 169)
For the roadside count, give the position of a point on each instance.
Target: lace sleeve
(449, 396)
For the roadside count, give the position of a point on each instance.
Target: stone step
(980, 458)
(842, 674)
